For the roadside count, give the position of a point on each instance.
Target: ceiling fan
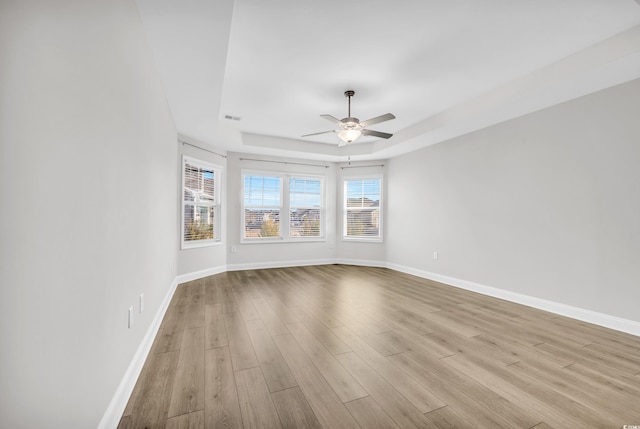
(349, 129)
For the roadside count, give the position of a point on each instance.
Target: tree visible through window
(200, 203)
(362, 208)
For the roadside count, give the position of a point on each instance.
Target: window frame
(218, 177)
(345, 209)
(285, 207)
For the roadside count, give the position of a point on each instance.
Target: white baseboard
(278, 264)
(600, 319)
(113, 414)
(183, 278)
(361, 262)
(303, 263)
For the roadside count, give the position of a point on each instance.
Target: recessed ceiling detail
(444, 68)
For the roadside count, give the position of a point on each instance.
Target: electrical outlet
(141, 302)
(435, 256)
(130, 323)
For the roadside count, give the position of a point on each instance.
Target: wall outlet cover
(130, 322)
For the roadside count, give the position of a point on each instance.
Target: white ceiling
(443, 67)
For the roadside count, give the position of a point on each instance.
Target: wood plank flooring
(339, 346)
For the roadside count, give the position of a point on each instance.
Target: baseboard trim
(278, 264)
(183, 278)
(361, 262)
(113, 414)
(308, 262)
(589, 316)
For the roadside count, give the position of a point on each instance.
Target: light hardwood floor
(351, 347)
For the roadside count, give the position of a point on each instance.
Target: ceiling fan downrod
(349, 93)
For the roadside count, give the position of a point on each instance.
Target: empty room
(337, 214)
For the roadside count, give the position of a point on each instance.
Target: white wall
(545, 205)
(88, 222)
(200, 261)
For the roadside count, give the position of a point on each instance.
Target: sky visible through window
(366, 189)
(304, 192)
(261, 191)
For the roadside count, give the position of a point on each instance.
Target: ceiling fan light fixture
(350, 128)
(349, 135)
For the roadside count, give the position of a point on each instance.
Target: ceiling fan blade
(378, 119)
(342, 143)
(376, 134)
(332, 119)
(321, 132)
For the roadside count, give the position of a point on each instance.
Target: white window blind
(305, 207)
(262, 203)
(362, 208)
(200, 219)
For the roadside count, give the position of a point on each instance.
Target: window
(262, 206)
(363, 209)
(201, 203)
(278, 206)
(305, 207)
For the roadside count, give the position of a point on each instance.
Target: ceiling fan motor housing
(351, 123)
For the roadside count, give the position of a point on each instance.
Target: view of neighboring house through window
(282, 206)
(305, 207)
(362, 208)
(201, 208)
